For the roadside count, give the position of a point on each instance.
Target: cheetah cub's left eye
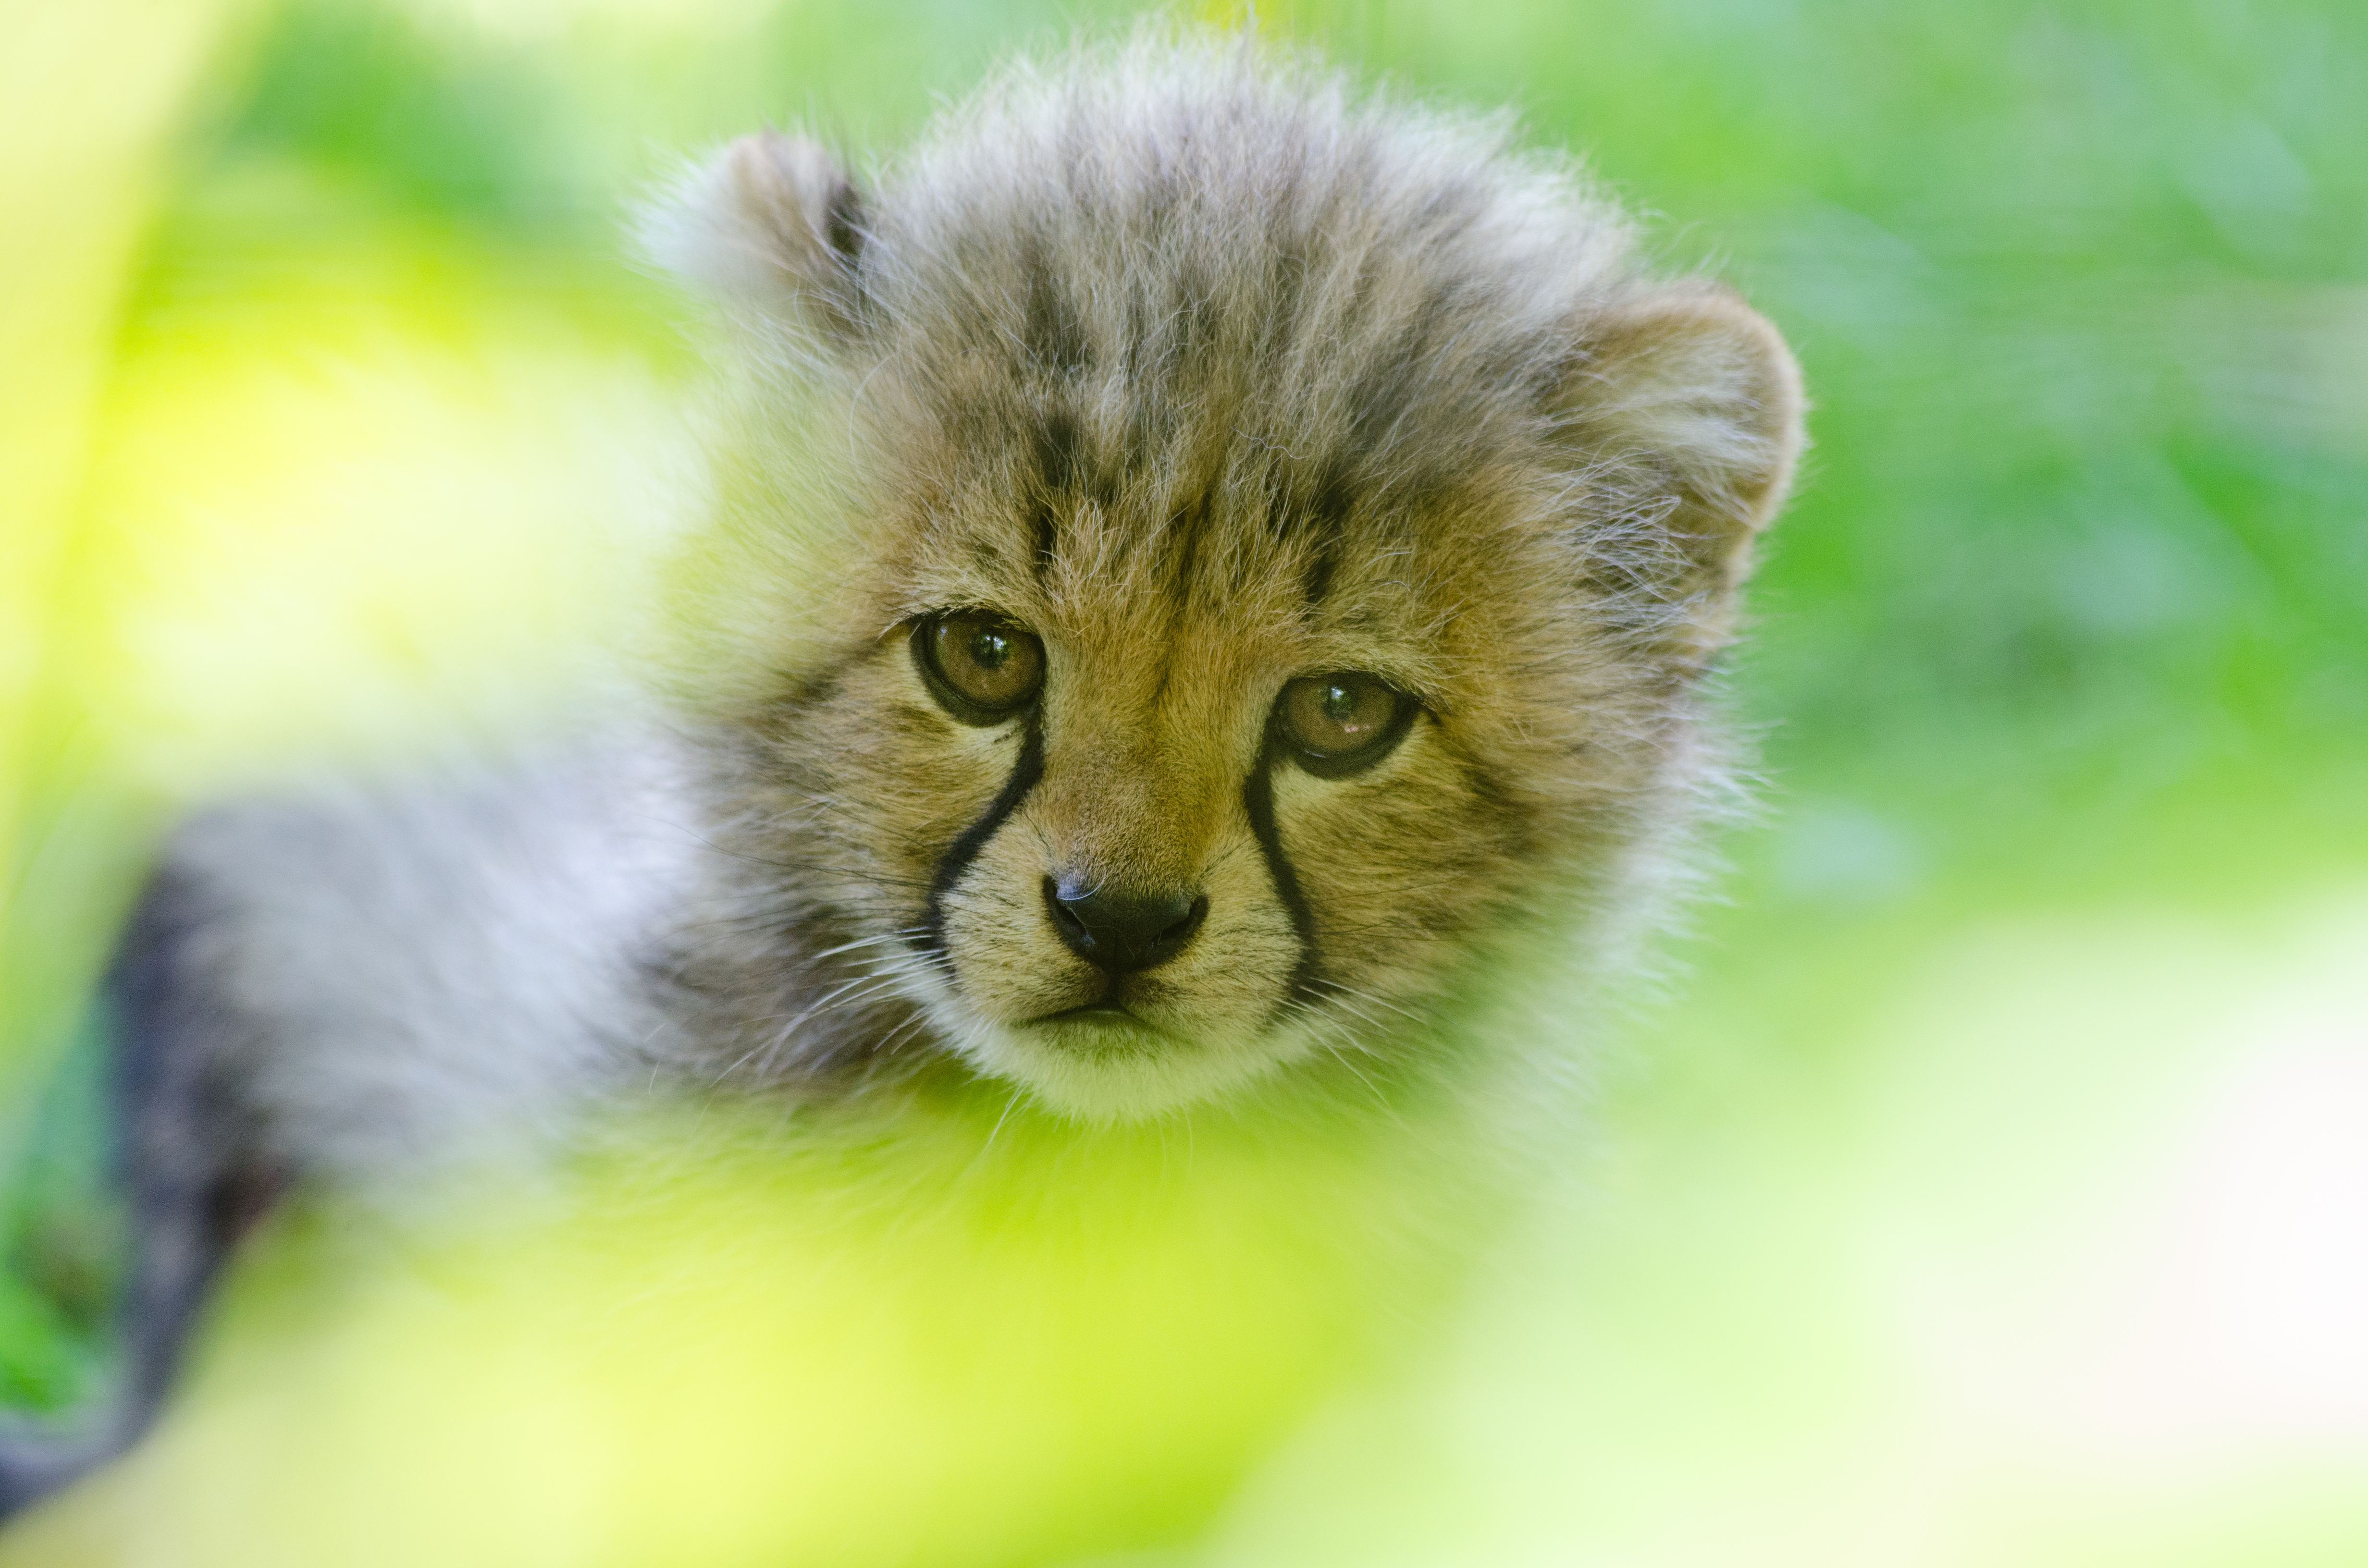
(981, 668)
(1340, 724)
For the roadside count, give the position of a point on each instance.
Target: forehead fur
(1195, 313)
(1178, 319)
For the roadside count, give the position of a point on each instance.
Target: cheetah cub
(1203, 566)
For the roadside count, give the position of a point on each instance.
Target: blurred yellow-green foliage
(1997, 1190)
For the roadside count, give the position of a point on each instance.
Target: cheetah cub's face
(1283, 543)
(1195, 809)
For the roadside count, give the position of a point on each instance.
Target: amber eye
(980, 666)
(1336, 725)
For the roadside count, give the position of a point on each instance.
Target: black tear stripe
(1258, 800)
(964, 850)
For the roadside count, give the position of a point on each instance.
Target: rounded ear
(1693, 393)
(769, 224)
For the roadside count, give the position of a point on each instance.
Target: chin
(1108, 1070)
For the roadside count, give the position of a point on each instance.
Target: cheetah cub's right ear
(1691, 394)
(773, 226)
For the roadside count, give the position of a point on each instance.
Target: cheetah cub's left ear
(1689, 394)
(773, 226)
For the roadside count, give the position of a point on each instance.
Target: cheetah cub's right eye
(980, 667)
(1339, 724)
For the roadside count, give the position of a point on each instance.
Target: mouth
(1102, 1061)
(1106, 1011)
(1106, 1022)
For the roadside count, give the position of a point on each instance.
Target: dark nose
(1120, 930)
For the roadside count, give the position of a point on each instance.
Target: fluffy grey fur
(1201, 376)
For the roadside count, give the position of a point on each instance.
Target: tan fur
(1210, 375)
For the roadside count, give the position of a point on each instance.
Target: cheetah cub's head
(1221, 550)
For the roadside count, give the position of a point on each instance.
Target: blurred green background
(1995, 1188)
